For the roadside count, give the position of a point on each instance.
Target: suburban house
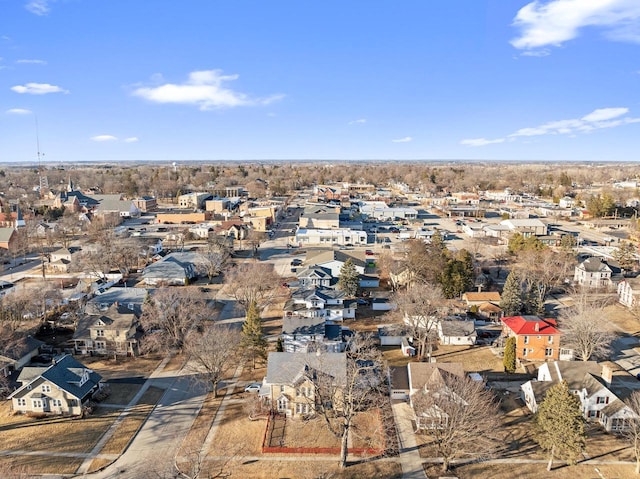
(477, 298)
(601, 388)
(458, 333)
(430, 378)
(300, 334)
(115, 332)
(593, 272)
(292, 379)
(334, 261)
(129, 298)
(175, 269)
(59, 261)
(63, 387)
(320, 302)
(537, 339)
(485, 305)
(315, 276)
(17, 353)
(628, 289)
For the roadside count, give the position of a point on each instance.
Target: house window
(282, 388)
(548, 352)
(37, 403)
(46, 388)
(526, 340)
(22, 402)
(101, 345)
(592, 413)
(550, 339)
(100, 332)
(524, 352)
(602, 400)
(56, 403)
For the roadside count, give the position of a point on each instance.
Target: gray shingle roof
(66, 373)
(288, 368)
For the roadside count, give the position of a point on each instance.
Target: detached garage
(399, 383)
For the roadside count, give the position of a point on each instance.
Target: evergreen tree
(509, 358)
(625, 255)
(279, 345)
(559, 425)
(436, 241)
(511, 299)
(349, 279)
(253, 341)
(457, 276)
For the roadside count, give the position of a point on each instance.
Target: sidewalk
(409, 458)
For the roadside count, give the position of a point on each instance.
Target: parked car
(296, 262)
(253, 388)
(369, 252)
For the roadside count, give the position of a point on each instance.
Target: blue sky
(237, 80)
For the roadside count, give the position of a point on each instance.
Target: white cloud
(39, 7)
(38, 89)
(554, 22)
(406, 139)
(359, 121)
(31, 61)
(536, 53)
(481, 141)
(18, 111)
(103, 138)
(596, 120)
(204, 89)
(132, 139)
(602, 114)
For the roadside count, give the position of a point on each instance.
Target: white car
(253, 388)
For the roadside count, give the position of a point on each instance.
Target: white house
(526, 226)
(458, 333)
(318, 302)
(593, 272)
(627, 291)
(601, 388)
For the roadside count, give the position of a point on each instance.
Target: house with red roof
(537, 339)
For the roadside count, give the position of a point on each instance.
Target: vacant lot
(140, 367)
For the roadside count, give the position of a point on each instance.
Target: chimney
(536, 327)
(607, 373)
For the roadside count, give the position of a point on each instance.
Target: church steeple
(70, 185)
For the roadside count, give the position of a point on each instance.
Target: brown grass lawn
(59, 434)
(301, 469)
(31, 466)
(130, 425)
(535, 471)
(121, 393)
(175, 363)
(394, 357)
(473, 358)
(122, 367)
(622, 318)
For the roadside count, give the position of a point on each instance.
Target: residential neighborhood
(349, 322)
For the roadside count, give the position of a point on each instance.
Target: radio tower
(44, 182)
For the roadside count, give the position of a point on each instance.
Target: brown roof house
(113, 332)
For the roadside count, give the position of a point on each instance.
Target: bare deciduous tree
(215, 258)
(253, 281)
(338, 399)
(541, 270)
(168, 316)
(632, 433)
(462, 418)
(421, 306)
(111, 252)
(586, 329)
(211, 352)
